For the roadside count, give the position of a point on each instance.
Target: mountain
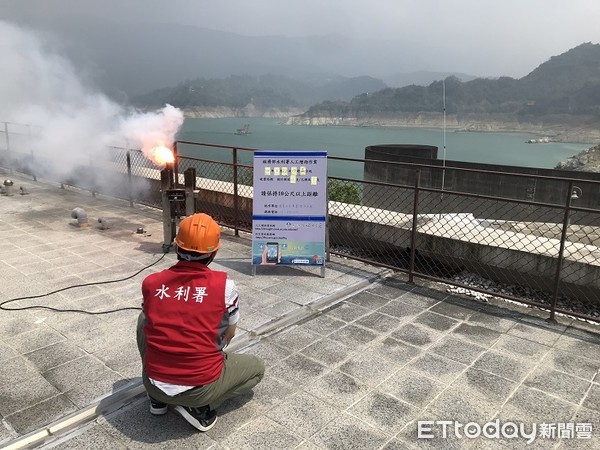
(422, 78)
(568, 83)
(565, 86)
(265, 91)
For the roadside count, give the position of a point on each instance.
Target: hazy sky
(480, 37)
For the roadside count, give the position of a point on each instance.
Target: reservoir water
(270, 134)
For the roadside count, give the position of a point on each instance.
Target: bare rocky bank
(558, 129)
(586, 132)
(585, 161)
(223, 112)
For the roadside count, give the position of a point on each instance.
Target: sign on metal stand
(289, 211)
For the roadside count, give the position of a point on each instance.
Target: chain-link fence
(530, 238)
(536, 246)
(224, 182)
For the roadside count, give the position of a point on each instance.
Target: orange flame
(162, 155)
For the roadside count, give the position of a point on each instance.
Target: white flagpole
(444, 156)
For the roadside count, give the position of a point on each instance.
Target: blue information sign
(289, 208)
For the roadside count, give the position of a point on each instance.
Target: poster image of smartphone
(272, 252)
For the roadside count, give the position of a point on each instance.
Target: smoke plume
(57, 121)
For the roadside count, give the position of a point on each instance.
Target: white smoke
(60, 120)
(148, 130)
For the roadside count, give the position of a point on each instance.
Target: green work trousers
(239, 375)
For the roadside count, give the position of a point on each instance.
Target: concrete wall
(529, 261)
(476, 182)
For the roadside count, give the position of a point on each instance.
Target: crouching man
(189, 316)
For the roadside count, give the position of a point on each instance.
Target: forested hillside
(568, 84)
(267, 91)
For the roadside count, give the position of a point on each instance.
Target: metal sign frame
(289, 214)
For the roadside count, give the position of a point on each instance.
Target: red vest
(185, 318)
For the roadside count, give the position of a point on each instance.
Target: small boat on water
(244, 130)
(544, 140)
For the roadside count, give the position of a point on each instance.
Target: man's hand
(229, 333)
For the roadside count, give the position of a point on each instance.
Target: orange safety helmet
(198, 233)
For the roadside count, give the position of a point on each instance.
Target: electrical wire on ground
(83, 311)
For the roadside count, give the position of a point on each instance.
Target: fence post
(92, 177)
(236, 210)
(32, 166)
(8, 146)
(30, 136)
(189, 183)
(175, 165)
(129, 179)
(413, 233)
(561, 251)
(327, 249)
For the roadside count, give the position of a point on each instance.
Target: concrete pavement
(354, 360)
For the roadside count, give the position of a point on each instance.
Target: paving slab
(354, 360)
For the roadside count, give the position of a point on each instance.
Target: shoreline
(555, 132)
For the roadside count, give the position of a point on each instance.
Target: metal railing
(539, 245)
